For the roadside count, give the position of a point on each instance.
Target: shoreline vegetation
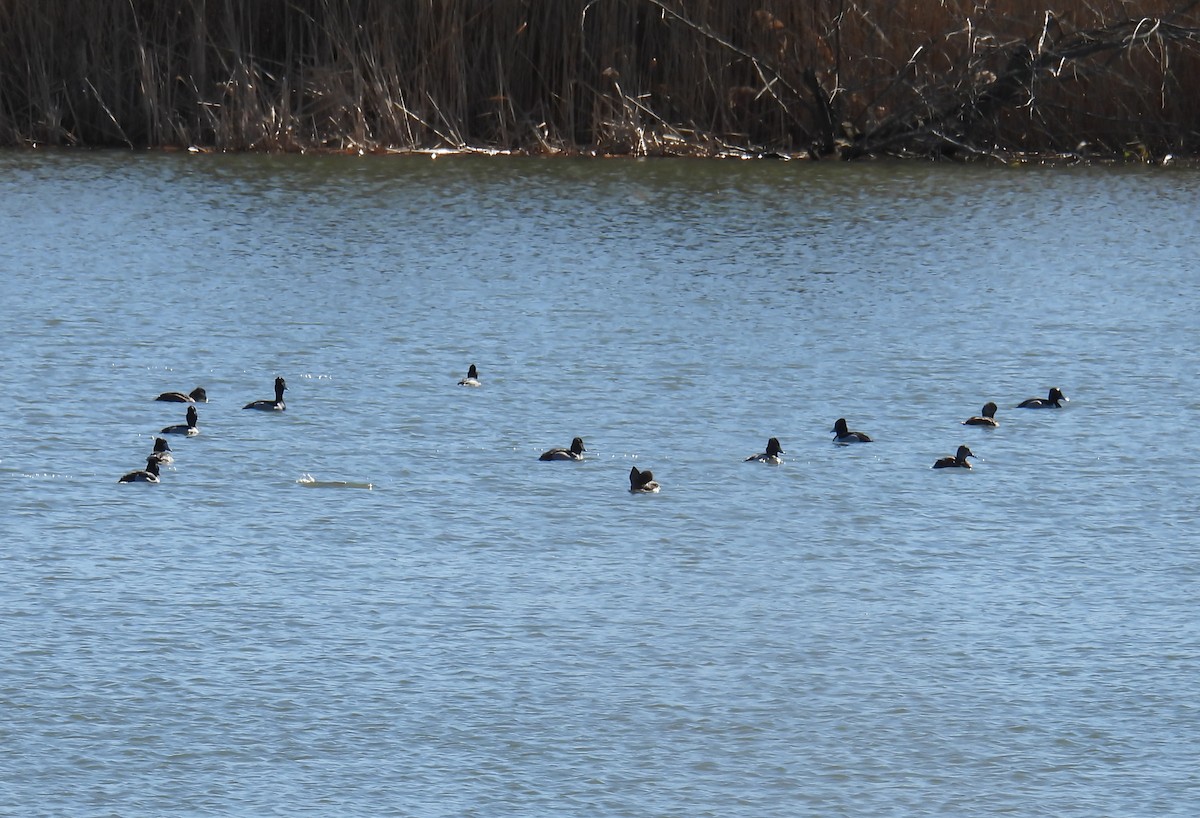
(1006, 80)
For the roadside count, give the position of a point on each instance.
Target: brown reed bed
(820, 78)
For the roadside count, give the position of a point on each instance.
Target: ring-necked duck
(276, 405)
(188, 429)
(844, 436)
(197, 395)
(574, 453)
(771, 455)
(146, 475)
(642, 481)
(472, 378)
(986, 418)
(959, 461)
(1051, 402)
(162, 452)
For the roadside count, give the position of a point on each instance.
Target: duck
(1051, 402)
(987, 417)
(472, 378)
(162, 452)
(771, 455)
(276, 405)
(642, 482)
(574, 453)
(188, 429)
(197, 395)
(958, 461)
(843, 436)
(146, 475)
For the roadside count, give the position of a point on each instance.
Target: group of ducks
(644, 482)
(987, 417)
(640, 481)
(162, 455)
(844, 436)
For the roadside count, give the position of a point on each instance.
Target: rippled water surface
(379, 602)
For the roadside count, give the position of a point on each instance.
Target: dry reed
(707, 77)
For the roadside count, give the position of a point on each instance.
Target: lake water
(379, 602)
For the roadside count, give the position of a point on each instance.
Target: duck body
(162, 452)
(642, 482)
(959, 461)
(197, 395)
(146, 475)
(987, 417)
(771, 455)
(188, 428)
(844, 437)
(472, 378)
(276, 405)
(1055, 400)
(574, 453)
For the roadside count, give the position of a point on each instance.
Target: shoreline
(824, 80)
(1130, 159)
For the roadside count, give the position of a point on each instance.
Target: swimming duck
(472, 378)
(843, 436)
(574, 453)
(162, 452)
(986, 418)
(276, 405)
(642, 481)
(146, 475)
(771, 455)
(1051, 402)
(188, 429)
(197, 395)
(958, 461)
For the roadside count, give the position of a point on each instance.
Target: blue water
(379, 602)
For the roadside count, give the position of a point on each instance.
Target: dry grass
(708, 77)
